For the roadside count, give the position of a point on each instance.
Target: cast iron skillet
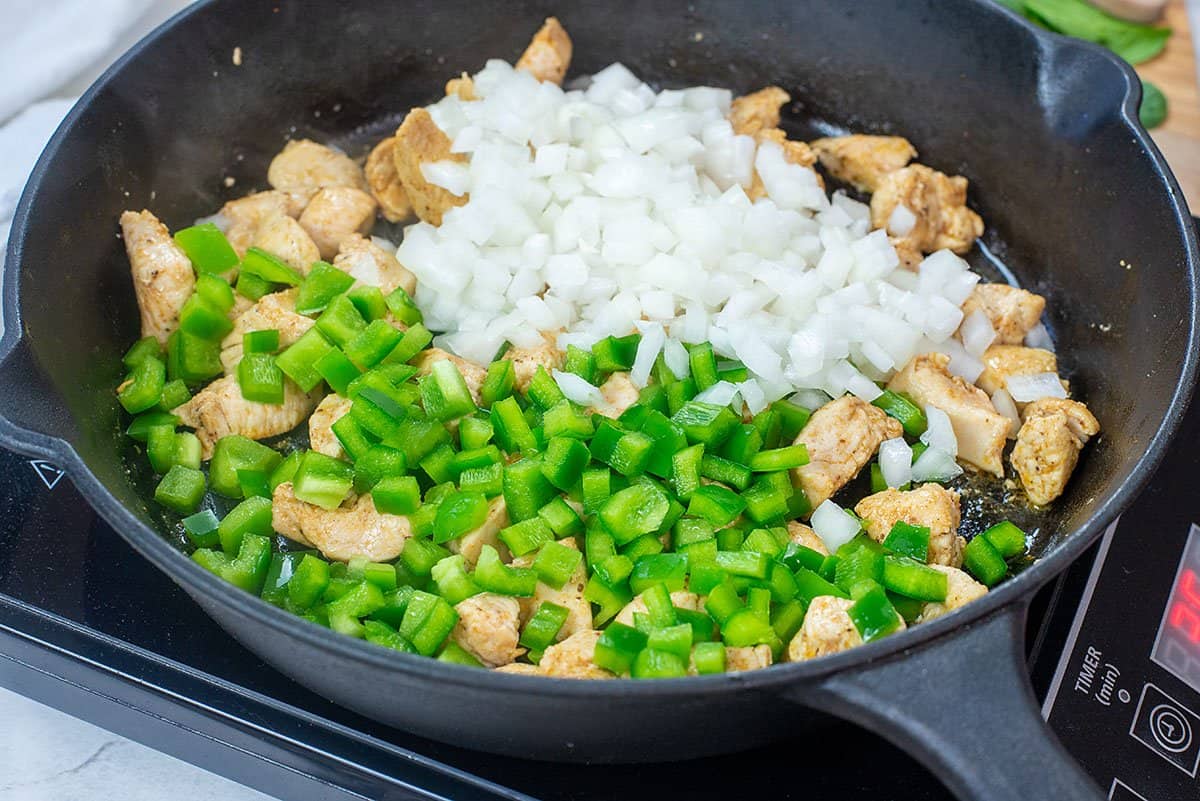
(1077, 201)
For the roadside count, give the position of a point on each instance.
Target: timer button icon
(1168, 728)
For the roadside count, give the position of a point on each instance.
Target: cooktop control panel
(1125, 698)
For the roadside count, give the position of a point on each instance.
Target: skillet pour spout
(1077, 200)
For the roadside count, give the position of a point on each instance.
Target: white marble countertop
(46, 755)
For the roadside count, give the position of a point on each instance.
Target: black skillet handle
(32, 421)
(964, 707)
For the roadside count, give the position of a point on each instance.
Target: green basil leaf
(1153, 109)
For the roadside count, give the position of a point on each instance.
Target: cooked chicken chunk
(861, 160)
(304, 167)
(549, 53)
(245, 215)
(930, 505)
(472, 373)
(419, 141)
(335, 213)
(747, 658)
(758, 111)
(1013, 312)
(354, 529)
(488, 627)
(980, 429)
(285, 238)
(841, 438)
(570, 596)
(827, 629)
(373, 265)
(320, 425)
(1003, 361)
(680, 599)
(163, 278)
(939, 203)
(526, 361)
(572, 658)
(471, 543)
(385, 185)
(219, 409)
(803, 535)
(522, 668)
(1053, 433)
(619, 394)
(961, 589)
(275, 311)
(462, 87)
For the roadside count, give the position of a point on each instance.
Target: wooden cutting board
(1175, 73)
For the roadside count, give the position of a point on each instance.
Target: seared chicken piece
(219, 409)
(841, 438)
(320, 425)
(758, 111)
(370, 264)
(961, 589)
(275, 311)
(861, 160)
(462, 87)
(980, 429)
(247, 214)
(930, 505)
(419, 141)
(1002, 361)
(827, 629)
(471, 543)
(285, 238)
(471, 372)
(572, 658)
(1013, 312)
(522, 668)
(335, 213)
(619, 394)
(910, 256)
(939, 203)
(527, 360)
(680, 599)
(1053, 433)
(488, 628)
(549, 53)
(380, 171)
(163, 278)
(803, 535)
(354, 529)
(570, 597)
(747, 658)
(304, 167)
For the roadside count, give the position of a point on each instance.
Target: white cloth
(49, 42)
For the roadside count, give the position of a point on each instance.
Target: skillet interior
(1066, 193)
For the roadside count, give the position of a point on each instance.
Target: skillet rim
(197, 581)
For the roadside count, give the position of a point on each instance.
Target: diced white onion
(1004, 404)
(577, 389)
(605, 207)
(935, 464)
(901, 221)
(939, 433)
(895, 462)
(833, 525)
(1039, 337)
(721, 393)
(977, 333)
(1034, 386)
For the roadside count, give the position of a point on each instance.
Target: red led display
(1177, 647)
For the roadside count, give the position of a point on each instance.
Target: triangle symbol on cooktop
(50, 474)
